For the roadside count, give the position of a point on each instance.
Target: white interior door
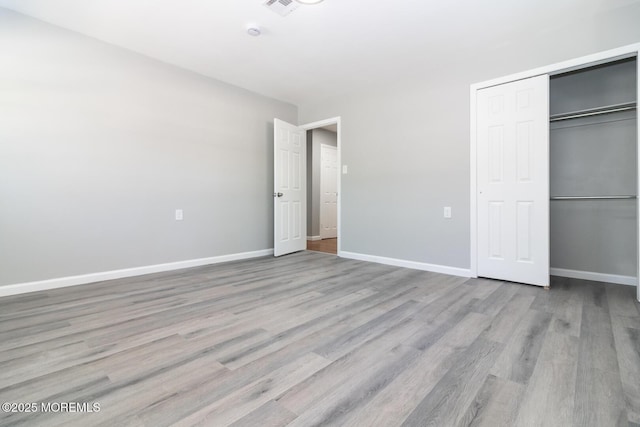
(513, 181)
(328, 192)
(290, 188)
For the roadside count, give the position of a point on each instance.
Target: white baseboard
(444, 269)
(43, 285)
(596, 277)
(313, 238)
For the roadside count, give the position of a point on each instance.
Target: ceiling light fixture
(309, 1)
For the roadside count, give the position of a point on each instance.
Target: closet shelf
(592, 197)
(626, 106)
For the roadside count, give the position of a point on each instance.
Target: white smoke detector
(253, 30)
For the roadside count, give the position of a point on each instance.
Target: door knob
(278, 194)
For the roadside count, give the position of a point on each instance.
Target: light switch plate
(447, 211)
(179, 215)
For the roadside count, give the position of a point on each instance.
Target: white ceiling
(317, 51)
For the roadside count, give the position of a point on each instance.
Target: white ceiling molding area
(325, 49)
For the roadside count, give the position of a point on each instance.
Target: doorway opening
(323, 177)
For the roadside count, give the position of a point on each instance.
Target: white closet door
(513, 181)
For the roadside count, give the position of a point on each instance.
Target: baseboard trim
(435, 268)
(63, 282)
(596, 277)
(313, 238)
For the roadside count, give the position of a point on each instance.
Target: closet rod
(591, 197)
(627, 106)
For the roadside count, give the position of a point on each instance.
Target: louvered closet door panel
(513, 181)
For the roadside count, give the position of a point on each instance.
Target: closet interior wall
(593, 169)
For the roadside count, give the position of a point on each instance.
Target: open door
(513, 181)
(289, 188)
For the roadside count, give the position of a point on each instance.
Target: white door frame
(323, 123)
(558, 68)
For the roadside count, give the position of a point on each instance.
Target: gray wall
(407, 146)
(99, 146)
(315, 138)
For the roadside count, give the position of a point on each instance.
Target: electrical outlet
(447, 211)
(179, 215)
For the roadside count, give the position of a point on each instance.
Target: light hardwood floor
(312, 339)
(329, 246)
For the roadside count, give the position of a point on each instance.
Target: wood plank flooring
(312, 339)
(329, 246)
